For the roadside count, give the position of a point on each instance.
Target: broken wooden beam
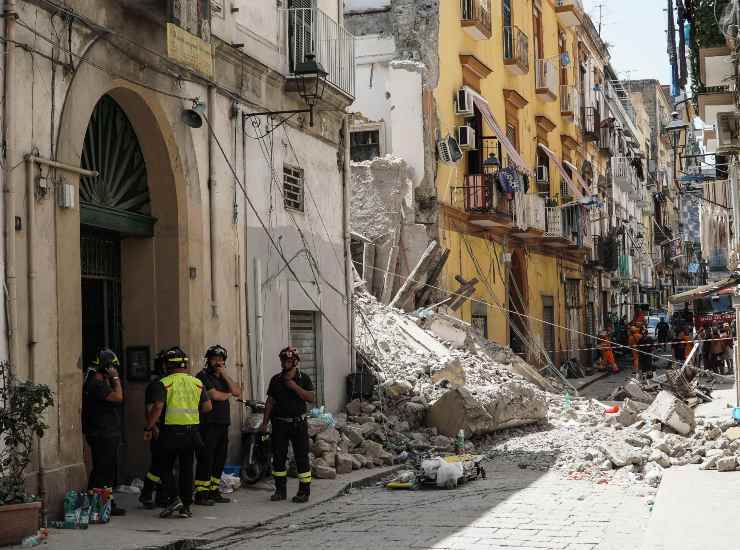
(425, 294)
(417, 277)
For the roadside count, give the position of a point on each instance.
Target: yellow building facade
(523, 65)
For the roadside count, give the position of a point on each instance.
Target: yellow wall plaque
(186, 48)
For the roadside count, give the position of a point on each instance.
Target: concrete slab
(249, 508)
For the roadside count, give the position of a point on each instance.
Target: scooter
(256, 456)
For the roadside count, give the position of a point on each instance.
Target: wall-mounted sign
(189, 50)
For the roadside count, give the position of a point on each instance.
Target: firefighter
(153, 480)
(214, 428)
(178, 398)
(102, 399)
(287, 395)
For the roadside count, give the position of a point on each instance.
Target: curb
(204, 540)
(596, 379)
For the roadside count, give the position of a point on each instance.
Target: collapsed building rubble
(436, 376)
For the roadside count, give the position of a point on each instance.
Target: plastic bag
(326, 417)
(128, 489)
(430, 467)
(449, 473)
(229, 483)
(405, 479)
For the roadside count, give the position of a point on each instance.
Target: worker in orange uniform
(607, 353)
(633, 342)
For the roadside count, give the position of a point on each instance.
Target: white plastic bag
(448, 474)
(229, 483)
(430, 467)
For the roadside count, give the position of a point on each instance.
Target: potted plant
(22, 408)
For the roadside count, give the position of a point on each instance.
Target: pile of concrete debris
(632, 446)
(435, 376)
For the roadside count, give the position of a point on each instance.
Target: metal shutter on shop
(304, 337)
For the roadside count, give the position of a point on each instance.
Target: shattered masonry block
(672, 412)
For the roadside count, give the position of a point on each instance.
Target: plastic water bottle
(460, 442)
(33, 540)
(567, 401)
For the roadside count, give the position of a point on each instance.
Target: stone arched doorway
(128, 253)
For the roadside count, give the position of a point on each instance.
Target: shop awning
(554, 158)
(578, 176)
(511, 151)
(706, 291)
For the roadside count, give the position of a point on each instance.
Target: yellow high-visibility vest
(183, 399)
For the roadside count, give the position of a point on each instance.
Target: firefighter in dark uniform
(287, 395)
(214, 428)
(102, 399)
(178, 399)
(153, 479)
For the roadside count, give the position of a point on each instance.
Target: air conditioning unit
(728, 132)
(542, 175)
(449, 150)
(464, 103)
(466, 138)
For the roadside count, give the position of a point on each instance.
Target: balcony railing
(590, 121)
(311, 31)
(480, 196)
(476, 18)
(516, 50)
(621, 171)
(546, 80)
(553, 222)
(568, 100)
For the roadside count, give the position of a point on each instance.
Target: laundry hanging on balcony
(563, 173)
(514, 155)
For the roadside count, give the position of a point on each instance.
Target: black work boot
(203, 498)
(304, 491)
(218, 498)
(281, 489)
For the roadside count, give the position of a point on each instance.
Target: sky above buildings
(635, 29)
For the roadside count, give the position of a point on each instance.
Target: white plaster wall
(390, 91)
(718, 70)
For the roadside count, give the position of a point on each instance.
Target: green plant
(705, 33)
(22, 408)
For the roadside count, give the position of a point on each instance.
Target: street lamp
(675, 128)
(310, 79)
(491, 165)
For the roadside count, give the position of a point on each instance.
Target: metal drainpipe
(10, 15)
(347, 242)
(211, 198)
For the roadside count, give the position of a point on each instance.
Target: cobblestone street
(512, 509)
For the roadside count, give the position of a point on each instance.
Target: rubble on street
(435, 377)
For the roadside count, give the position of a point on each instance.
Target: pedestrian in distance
(633, 342)
(178, 399)
(102, 400)
(153, 478)
(663, 331)
(607, 353)
(214, 428)
(287, 395)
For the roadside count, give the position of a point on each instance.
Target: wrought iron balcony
(311, 31)
(516, 50)
(571, 216)
(483, 200)
(621, 172)
(569, 12)
(546, 80)
(553, 222)
(475, 18)
(590, 121)
(568, 101)
(718, 260)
